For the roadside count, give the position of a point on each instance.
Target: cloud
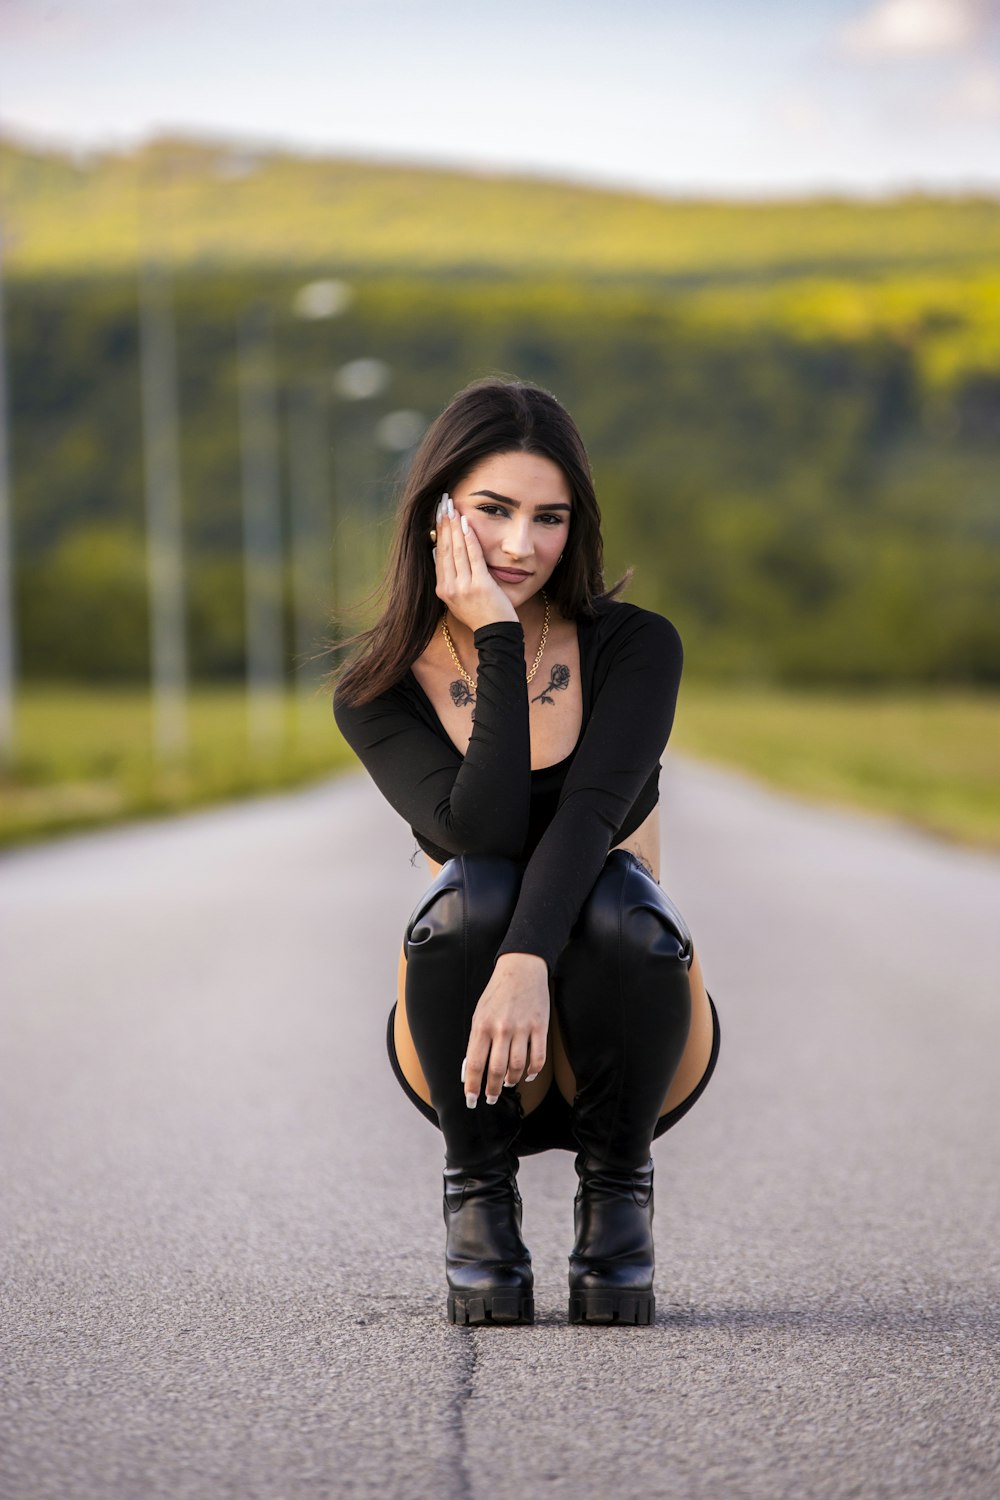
(974, 98)
(57, 25)
(46, 24)
(919, 28)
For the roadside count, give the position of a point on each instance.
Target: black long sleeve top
(560, 821)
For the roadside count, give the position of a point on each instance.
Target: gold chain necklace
(538, 655)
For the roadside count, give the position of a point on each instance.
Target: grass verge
(932, 758)
(83, 754)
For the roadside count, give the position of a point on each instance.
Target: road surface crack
(464, 1389)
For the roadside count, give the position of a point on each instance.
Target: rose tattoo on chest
(558, 679)
(462, 695)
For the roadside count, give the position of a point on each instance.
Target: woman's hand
(509, 1028)
(464, 582)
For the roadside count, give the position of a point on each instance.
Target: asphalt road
(222, 1247)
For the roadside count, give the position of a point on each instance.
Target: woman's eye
(489, 509)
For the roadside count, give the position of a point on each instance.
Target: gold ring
(434, 535)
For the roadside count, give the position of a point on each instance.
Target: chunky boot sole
(477, 1308)
(595, 1306)
(487, 1264)
(611, 1265)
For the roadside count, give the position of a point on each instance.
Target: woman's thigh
(690, 1070)
(694, 1059)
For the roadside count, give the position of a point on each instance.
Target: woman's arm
(629, 727)
(476, 805)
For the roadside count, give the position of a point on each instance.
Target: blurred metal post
(164, 540)
(8, 623)
(263, 590)
(309, 491)
(316, 301)
(362, 380)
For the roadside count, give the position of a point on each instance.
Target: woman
(513, 711)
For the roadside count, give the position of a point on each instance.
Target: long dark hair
(490, 416)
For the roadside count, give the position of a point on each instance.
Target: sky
(776, 98)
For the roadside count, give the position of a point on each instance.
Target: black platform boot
(451, 943)
(624, 1004)
(487, 1263)
(611, 1264)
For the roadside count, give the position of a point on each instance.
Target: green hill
(206, 204)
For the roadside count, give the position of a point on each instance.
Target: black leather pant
(621, 994)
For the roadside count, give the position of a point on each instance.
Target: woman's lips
(510, 575)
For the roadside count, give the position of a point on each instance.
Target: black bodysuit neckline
(556, 765)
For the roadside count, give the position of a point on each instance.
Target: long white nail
(464, 1061)
(531, 1078)
(465, 526)
(451, 507)
(471, 1099)
(492, 1098)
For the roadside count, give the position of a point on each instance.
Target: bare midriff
(644, 843)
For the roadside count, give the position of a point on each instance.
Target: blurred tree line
(806, 477)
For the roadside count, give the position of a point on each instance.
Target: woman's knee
(628, 920)
(472, 897)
